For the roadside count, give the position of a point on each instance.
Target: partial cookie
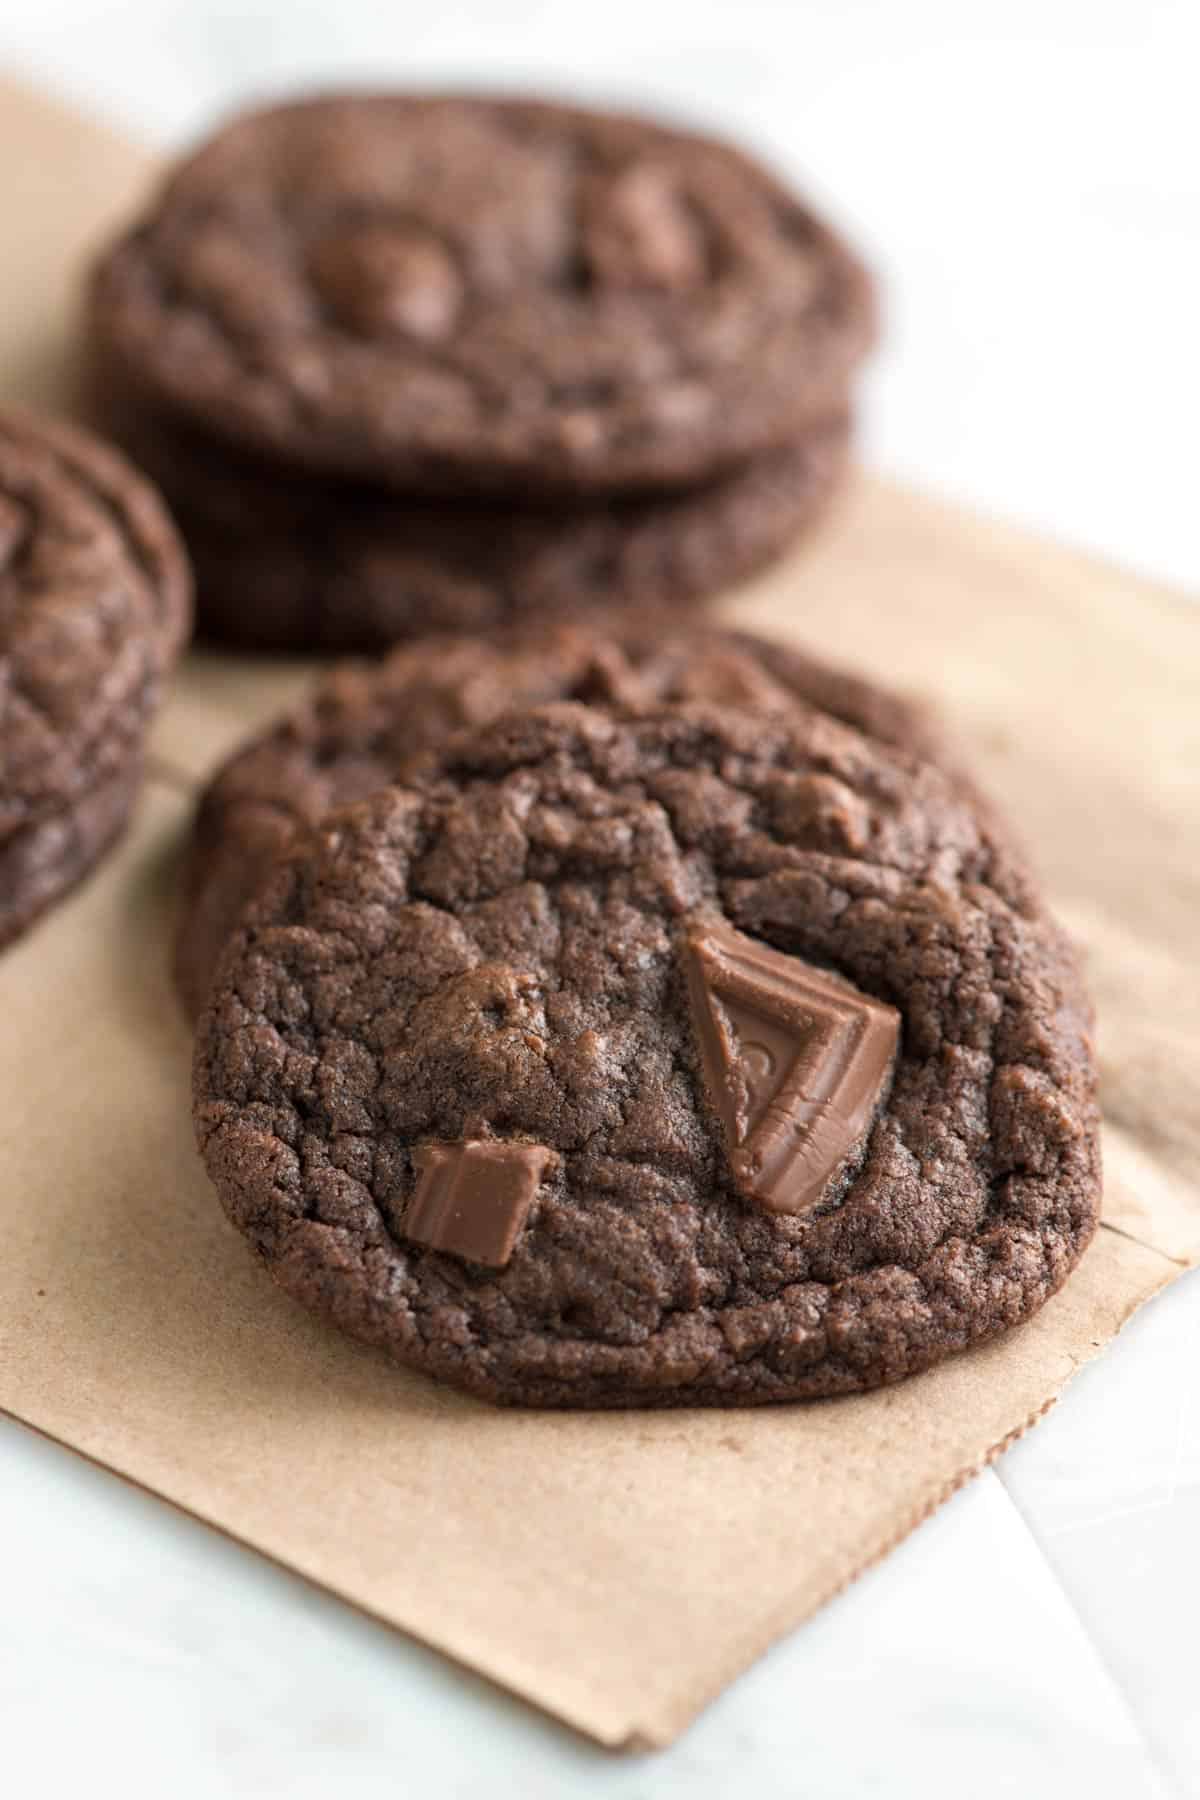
(363, 724)
(42, 862)
(699, 1057)
(95, 597)
(484, 294)
(284, 562)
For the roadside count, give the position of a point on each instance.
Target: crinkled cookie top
(494, 966)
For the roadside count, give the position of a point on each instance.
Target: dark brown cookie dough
(464, 1012)
(484, 294)
(94, 608)
(285, 562)
(363, 724)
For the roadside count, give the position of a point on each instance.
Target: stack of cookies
(94, 610)
(407, 364)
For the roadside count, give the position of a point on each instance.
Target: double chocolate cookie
(432, 291)
(289, 562)
(621, 357)
(94, 608)
(692, 1056)
(363, 725)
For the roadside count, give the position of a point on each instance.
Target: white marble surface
(1028, 179)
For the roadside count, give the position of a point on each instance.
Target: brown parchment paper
(596, 1564)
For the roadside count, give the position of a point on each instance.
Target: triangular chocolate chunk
(795, 1061)
(761, 1050)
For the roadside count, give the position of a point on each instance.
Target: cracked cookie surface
(364, 723)
(494, 953)
(94, 608)
(42, 862)
(463, 292)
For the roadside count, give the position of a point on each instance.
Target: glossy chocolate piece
(795, 1061)
(472, 1199)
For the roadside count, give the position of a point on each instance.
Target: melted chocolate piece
(795, 1061)
(472, 1200)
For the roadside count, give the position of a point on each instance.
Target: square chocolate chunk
(472, 1199)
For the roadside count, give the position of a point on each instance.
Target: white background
(1026, 177)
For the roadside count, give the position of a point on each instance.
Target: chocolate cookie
(42, 862)
(285, 562)
(475, 293)
(699, 1057)
(363, 725)
(94, 595)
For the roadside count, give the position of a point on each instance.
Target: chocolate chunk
(377, 279)
(639, 231)
(472, 1199)
(795, 1060)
